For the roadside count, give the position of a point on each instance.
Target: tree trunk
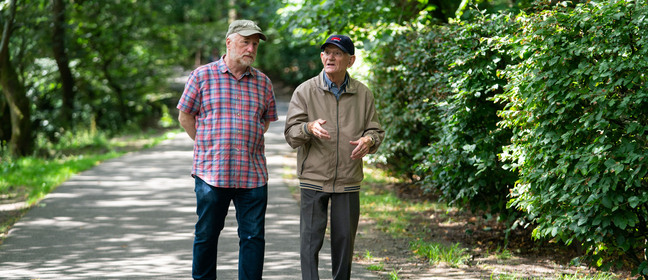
(5, 122)
(58, 47)
(232, 11)
(22, 142)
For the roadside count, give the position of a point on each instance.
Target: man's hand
(362, 149)
(315, 128)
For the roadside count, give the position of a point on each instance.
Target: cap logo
(335, 39)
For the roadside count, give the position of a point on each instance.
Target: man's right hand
(315, 128)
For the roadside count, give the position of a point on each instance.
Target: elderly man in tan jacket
(333, 123)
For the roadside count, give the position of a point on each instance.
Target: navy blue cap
(343, 42)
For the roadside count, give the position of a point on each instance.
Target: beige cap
(245, 28)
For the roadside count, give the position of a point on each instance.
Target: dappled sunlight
(133, 218)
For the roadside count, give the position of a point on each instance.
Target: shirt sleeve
(271, 112)
(190, 100)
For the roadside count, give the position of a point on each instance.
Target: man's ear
(352, 60)
(227, 42)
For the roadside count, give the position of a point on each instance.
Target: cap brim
(336, 44)
(252, 32)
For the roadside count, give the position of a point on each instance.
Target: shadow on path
(133, 218)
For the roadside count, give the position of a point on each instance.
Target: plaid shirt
(229, 149)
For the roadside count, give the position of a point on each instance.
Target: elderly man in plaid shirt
(226, 107)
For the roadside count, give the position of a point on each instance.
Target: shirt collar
(330, 84)
(222, 67)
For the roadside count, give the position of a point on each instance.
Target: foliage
(598, 276)
(447, 94)
(565, 83)
(314, 20)
(463, 163)
(577, 107)
(118, 55)
(398, 79)
(372, 23)
(393, 275)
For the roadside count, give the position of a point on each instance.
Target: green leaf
(606, 202)
(554, 231)
(621, 221)
(633, 201)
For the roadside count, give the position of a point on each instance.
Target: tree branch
(6, 32)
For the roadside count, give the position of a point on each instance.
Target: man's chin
(246, 62)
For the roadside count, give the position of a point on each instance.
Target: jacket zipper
(337, 144)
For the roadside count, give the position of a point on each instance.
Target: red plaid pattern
(229, 149)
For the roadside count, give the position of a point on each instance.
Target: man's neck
(336, 78)
(237, 69)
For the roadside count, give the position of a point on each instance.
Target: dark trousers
(345, 212)
(212, 205)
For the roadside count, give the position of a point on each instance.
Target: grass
(395, 216)
(393, 275)
(599, 276)
(381, 205)
(373, 267)
(454, 255)
(29, 179)
(37, 177)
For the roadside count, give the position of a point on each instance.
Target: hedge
(545, 112)
(578, 108)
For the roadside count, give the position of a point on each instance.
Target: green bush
(464, 162)
(578, 108)
(404, 85)
(548, 109)
(434, 94)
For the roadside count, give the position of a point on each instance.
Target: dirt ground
(524, 258)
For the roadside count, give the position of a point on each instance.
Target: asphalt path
(132, 218)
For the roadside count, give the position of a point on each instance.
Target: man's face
(335, 60)
(243, 50)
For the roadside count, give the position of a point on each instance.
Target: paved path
(133, 217)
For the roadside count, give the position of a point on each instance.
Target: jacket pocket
(305, 149)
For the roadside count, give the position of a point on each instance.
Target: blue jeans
(212, 205)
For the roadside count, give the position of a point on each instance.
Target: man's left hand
(363, 146)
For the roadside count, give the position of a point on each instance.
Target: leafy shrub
(407, 85)
(558, 96)
(464, 162)
(578, 108)
(434, 88)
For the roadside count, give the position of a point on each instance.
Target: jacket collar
(351, 86)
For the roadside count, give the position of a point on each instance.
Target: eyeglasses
(337, 54)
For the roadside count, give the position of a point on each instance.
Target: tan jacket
(326, 164)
